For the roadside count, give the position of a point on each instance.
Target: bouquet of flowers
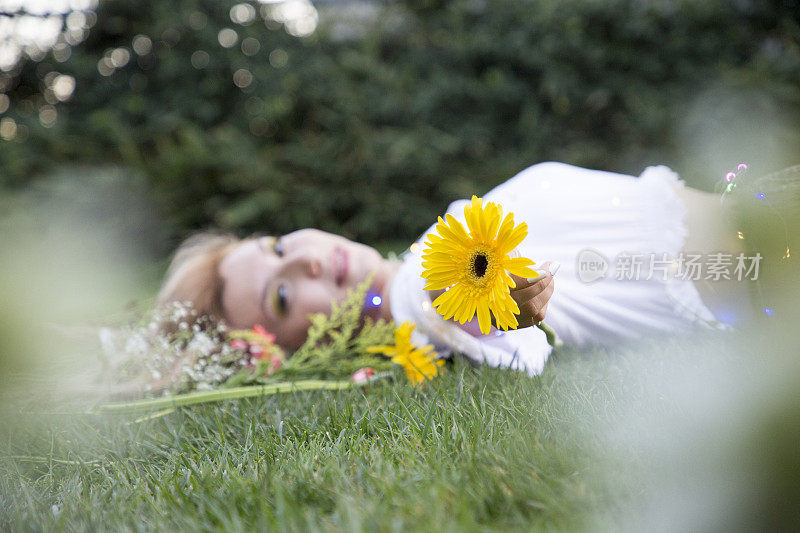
(187, 361)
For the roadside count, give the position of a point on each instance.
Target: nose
(314, 267)
(306, 263)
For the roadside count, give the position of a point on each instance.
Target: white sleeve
(523, 349)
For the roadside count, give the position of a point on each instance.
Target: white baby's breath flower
(136, 345)
(195, 357)
(202, 344)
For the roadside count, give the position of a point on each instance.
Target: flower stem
(552, 338)
(234, 393)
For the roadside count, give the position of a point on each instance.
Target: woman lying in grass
(638, 255)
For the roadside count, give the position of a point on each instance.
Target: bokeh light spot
(243, 14)
(48, 116)
(198, 20)
(250, 46)
(120, 57)
(242, 78)
(200, 59)
(62, 52)
(227, 37)
(278, 58)
(105, 67)
(63, 87)
(8, 128)
(142, 45)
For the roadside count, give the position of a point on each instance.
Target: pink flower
(239, 344)
(362, 375)
(268, 337)
(257, 351)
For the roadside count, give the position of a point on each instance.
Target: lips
(339, 260)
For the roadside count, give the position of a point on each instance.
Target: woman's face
(278, 282)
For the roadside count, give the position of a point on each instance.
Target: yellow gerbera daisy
(419, 363)
(473, 267)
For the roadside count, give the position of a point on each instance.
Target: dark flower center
(479, 264)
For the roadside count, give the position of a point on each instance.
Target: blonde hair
(193, 275)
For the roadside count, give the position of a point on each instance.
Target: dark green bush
(371, 135)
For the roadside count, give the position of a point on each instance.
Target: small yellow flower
(420, 364)
(473, 267)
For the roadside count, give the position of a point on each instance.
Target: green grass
(478, 449)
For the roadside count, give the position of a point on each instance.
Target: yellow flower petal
(506, 228)
(458, 229)
(484, 319)
(472, 213)
(493, 221)
(419, 364)
(452, 234)
(510, 304)
(382, 348)
(455, 303)
(470, 311)
(436, 285)
(515, 236)
(519, 266)
(443, 302)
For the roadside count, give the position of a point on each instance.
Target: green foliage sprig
(337, 343)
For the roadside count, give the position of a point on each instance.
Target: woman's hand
(532, 297)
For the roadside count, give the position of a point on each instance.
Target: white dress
(580, 218)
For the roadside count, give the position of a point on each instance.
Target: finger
(542, 314)
(537, 306)
(534, 310)
(533, 319)
(541, 302)
(522, 283)
(523, 296)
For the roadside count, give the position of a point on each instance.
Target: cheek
(241, 307)
(316, 297)
(363, 261)
(311, 298)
